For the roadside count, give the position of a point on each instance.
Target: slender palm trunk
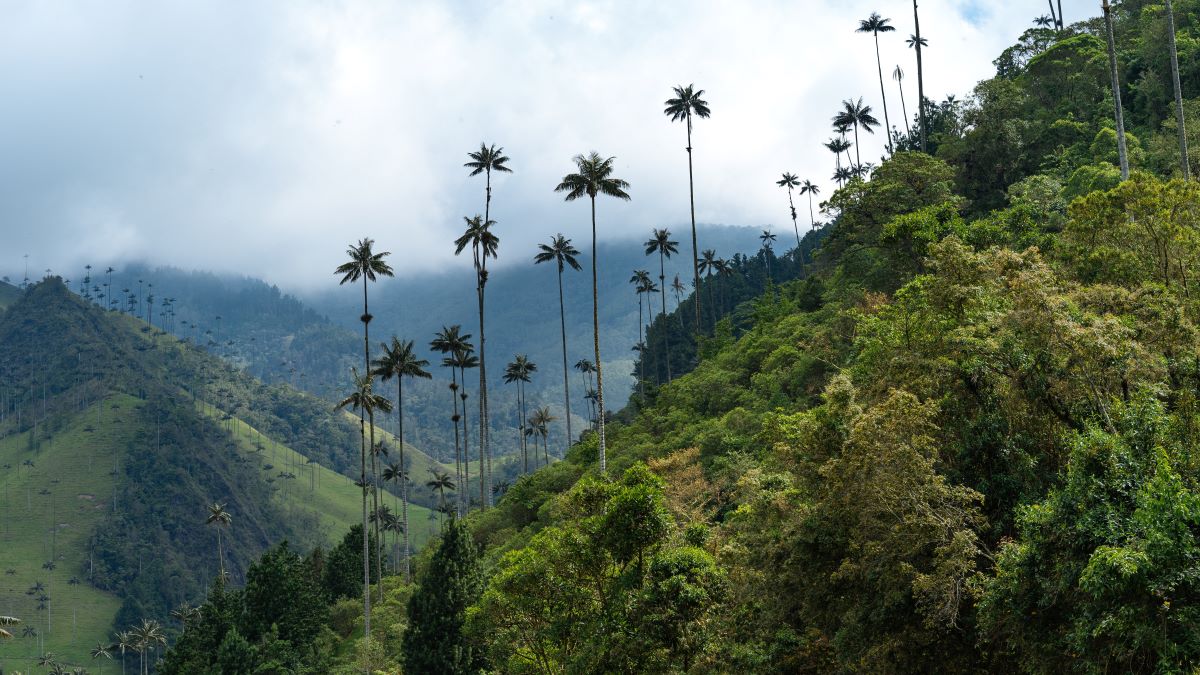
(1179, 119)
(403, 470)
(920, 79)
(562, 320)
(695, 244)
(1053, 14)
(662, 286)
(457, 437)
(375, 502)
(857, 150)
(366, 321)
(596, 318)
(812, 219)
(904, 107)
(883, 93)
(522, 439)
(220, 552)
(1061, 23)
(795, 227)
(1122, 150)
(641, 354)
(464, 489)
(485, 441)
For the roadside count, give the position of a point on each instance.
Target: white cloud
(263, 137)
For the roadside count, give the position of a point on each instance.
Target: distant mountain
(114, 438)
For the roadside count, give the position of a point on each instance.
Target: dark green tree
(435, 641)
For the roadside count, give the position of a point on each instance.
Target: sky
(263, 137)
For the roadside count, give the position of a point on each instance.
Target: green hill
(111, 447)
(8, 295)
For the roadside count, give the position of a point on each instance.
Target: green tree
(855, 114)
(686, 104)
(790, 181)
(517, 372)
(562, 253)
(593, 177)
(662, 244)
(219, 519)
(435, 641)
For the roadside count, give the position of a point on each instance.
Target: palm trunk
(795, 227)
(457, 437)
(695, 244)
(562, 320)
(1179, 119)
(1053, 14)
(1122, 150)
(366, 321)
(662, 285)
(403, 470)
(524, 440)
(221, 553)
(375, 502)
(812, 219)
(883, 93)
(904, 107)
(485, 441)
(920, 79)
(641, 355)
(464, 488)
(596, 319)
(857, 150)
(1061, 23)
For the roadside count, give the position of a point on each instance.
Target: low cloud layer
(262, 137)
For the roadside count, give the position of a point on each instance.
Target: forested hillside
(115, 440)
(959, 437)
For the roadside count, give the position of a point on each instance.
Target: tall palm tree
(1122, 151)
(449, 342)
(365, 264)
(219, 519)
(686, 104)
(586, 368)
(915, 41)
(1045, 21)
(837, 146)
(808, 188)
(842, 175)
(641, 282)
(790, 181)
(465, 359)
(487, 159)
(1179, 119)
(857, 115)
(842, 127)
(400, 361)
(875, 25)
(562, 253)
(396, 473)
(518, 372)
(363, 399)
(483, 243)
(708, 267)
(378, 451)
(662, 244)
(593, 177)
(767, 240)
(540, 421)
(441, 482)
(898, 76)
(101, 651)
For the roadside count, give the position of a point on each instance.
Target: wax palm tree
(363, 399)
(898, 76)
(562, 253)
(857, 115)
(586, 368)
(465, 359)
(1179, 119)
(790, 181)
(379, 452)
(487, 159)
(1044, 21)
(1122, 150)
(148, 635)
(662, 244)
(518, 371)
(101, 651)
(450, 341)
(724, 271)
(483, 243)
(768, 240)
(708, 267)
(678, 290)
(219, 519)
(875, 25)
(365, 264)
(540, 421)
(837, 146)
(400, 361)
(398, 474)
(686, 104)
(641, 281)
(810, 189)
(593, 178)
(917, 43)
(440, 483)
(842, 126)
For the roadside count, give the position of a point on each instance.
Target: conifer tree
(435, 641)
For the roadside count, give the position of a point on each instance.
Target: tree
(400, 361)
(916, 42)
(767, 239)
(540, 422)
(483, 243)
(856, 115)
(435, 641)
(101, 651)
(366, 402)
(465, 359)
(441, 482)
(898, 76)
(641, 285)
(365, 264)
(593, 177)
(875, 25)
(708, 267)
(1119, 113)
(1185, 168)
(662, 244)
(518, 371)
(687, 102)
(562, 253)
(451, 342)
(219, 519)
(790, 181)
(808, 188)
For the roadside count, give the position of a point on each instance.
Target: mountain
(114, 439)
(8, 294)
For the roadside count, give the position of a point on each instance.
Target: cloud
(263, 137)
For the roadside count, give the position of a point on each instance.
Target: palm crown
(661, 243)
(788, 181)
(519, 369)
(364, 262)
(560, 250)
(593, 177)
(875, 24)
(856, 113)
(687, 102)
(487, 158)
(809, 188)
(363, 397)
(450, 340)
(399, 360)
